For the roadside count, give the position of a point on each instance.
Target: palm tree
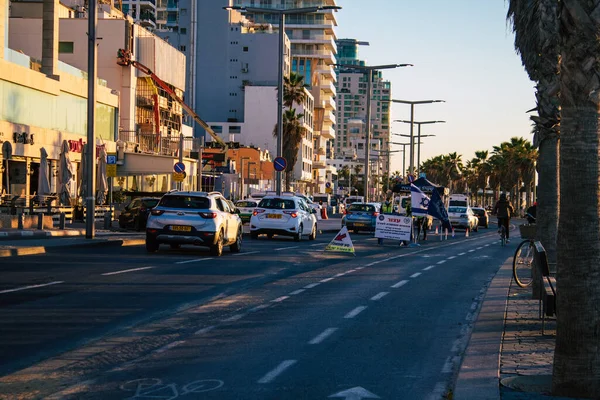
(577, 355)
(293, 90)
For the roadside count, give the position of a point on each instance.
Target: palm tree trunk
(577, 354)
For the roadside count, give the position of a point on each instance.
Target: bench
(547, 306)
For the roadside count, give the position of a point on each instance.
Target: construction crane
(124, 59)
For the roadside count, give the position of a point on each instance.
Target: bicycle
(523, 258)
(502, 230)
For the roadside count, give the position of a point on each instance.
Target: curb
(479, 373)
(36, 250)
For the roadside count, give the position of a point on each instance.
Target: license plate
(179, 228)
(274, 216)
(359, 224)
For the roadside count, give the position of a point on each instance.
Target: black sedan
(136, 213)
(482, 214)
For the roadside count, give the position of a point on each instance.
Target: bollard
(20, 221)
(40, 225)
(61, 221)
(107, 220)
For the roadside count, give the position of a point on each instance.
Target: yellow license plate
(274, 216)
(360, 224)
(179, 228)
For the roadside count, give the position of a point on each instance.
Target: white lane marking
(451, 258)
(312, 285)
(245, 254)
(280, 299)
(276, 371)
(322, 336)
(355, 312)
(125, 271)
(447, 368)
(359, 268)
(204, 330)
(259, 307)
(169, 346)
(373, 263)
(397, 285)
(286, 248)
(295, 292)
(379, 296)
(350, 271)
(340, 274)
(326, 280)
(234, 318)
(479, 248)
(470, 251)
(31, 287)
(317, 244)
(415, 274)
(195, 260)
(462, 254)
(428, 268)
(441, 262)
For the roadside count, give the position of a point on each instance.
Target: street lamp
(369, 70)
(388, 152)
(282, 13)
(419, 143)
(411, 168)
(404, 152)
(242, 173)
(419, 135)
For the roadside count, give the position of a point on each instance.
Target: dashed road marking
(280, 299)
(470, 251)
(169, 346)
(204, 330)
(245, 254)
(415, 274)
(428, 268)
(295, 292)
(323, 335)
(125, 271)
(234, 318)
(355, 312)
(286, 248)
(259, 307)
(31, 287)
(462, 254)
(441, 262)
(326, 280)
(195, 260)
(451, 258)
(274, 373)
(312, 285)
(379, 296)
(399, 284)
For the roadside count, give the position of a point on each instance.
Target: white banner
(396, 227)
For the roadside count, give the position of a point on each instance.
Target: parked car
(196, 218)
(136, 213)
(361, 217)
(482, 216)
(463, 218)
(286, 215)
(246, 208)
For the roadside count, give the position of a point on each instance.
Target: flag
(437, 210)
(341, 242)
(418, 201)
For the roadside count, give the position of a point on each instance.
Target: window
(183, 12)
(183, 31)
(182, 48)
(246, 49)
(65, 47)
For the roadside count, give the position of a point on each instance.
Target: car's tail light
(293, 214)
(208, 215)
(157, 212)
(258, 211)
(375, 214)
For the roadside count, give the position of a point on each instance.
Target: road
(281, 320)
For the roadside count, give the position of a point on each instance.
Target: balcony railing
(166, 145)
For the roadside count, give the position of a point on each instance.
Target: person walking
(386, 208)
(503, 211)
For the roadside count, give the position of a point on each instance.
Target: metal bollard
(61, 221)
(107, 220)
(20, 221)
(40, 221)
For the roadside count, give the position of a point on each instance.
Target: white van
(324, 197)
(458, 200)
(353, 199)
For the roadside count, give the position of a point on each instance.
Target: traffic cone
(452, 232)
(467, 232)
(324, 213)
(436, 230)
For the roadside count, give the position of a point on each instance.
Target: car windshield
(361, 207)
(178, 201)
(150, 203)
(277, 204)
(245, 204)
(479, 211)
(457, 210)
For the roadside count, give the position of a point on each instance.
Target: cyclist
(503, 210)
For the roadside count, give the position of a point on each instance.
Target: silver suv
(197, 218)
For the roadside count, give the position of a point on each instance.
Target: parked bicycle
(523, 259)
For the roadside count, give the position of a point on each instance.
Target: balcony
(327, 55)
(319, 164)
(147, 5)
(329, 117)
(327, 87)
(144, 141)
(172, 5)
(328, 132)
(147, 19)
(327, 71)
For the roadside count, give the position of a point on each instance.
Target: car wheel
(151, 245)
(217, 248)
(313, 234)
(298, 236)
(237, 246)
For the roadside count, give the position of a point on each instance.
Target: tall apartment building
(352, 106)
(142, 11)
(313, 52)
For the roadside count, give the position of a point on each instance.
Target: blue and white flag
(419, 202)
(437, 210)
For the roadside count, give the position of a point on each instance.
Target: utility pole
(90, 216)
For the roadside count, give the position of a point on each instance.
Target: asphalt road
(281, 320)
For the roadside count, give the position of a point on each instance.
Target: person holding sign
(387, 208)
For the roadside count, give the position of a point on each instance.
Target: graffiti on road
(154, 388)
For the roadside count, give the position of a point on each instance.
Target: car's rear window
(277, 204)
(245, 204)
(149, 203)
(361, 207)
(178, 201)
(457, 209)
(479, 211)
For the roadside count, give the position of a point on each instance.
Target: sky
(463, 53)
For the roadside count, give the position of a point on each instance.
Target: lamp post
(90, 230)
(388, 153)
(419, 135)
(242, 173)
(282, 13)
(419, 143)
(369, 70)
(411, 168)
(403, 151)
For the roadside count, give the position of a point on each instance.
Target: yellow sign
(178, 176)
(111, 170)
(328, 190)
(341, 242)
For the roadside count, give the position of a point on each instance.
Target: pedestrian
(408, 214)
(386, 208)
(421, 225)
(503, 210)
(532, 213)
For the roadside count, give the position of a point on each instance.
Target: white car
(309, 202)
(286, 215)
(246, 208)
(463, 217)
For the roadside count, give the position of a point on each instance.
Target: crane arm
(124, 58)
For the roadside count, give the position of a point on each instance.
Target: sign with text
(395, 227)
(111, 170)
(341, 242)
(178, 176)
